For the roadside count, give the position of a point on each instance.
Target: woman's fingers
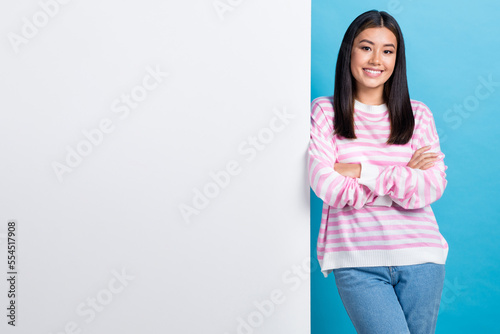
(416, 155)
(424, 159)
(427, 166)
(422, 149)
(421, 160)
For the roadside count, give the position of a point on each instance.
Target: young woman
(375, 161)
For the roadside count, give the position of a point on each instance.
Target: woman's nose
(375, 58)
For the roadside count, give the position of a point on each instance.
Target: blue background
(452, 51)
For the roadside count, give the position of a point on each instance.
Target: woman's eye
(365, 48)
(388, 51)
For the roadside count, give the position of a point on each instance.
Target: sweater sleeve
(333, 188)
(408, 187)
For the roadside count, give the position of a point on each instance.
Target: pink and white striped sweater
(383, 218)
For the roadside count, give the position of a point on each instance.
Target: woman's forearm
(350, 169)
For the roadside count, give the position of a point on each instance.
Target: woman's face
(373, 57)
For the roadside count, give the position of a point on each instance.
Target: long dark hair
(395, 94)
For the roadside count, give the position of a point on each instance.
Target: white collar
(369, 108)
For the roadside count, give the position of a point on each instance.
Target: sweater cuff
(368, 176)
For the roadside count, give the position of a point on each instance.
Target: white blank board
(154, 164)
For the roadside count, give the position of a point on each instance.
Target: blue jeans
(387, 300)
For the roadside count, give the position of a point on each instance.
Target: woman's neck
(370, 97)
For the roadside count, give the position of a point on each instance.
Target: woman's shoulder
(421, 112)
(322, 112)
(417, 105)
(322, 105)
(323, 102)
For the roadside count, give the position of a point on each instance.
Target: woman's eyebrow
(370, 42)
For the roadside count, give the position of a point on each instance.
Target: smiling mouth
(372, 71)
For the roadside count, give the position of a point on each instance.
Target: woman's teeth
(371, 71)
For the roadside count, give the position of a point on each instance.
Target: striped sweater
(384, 217)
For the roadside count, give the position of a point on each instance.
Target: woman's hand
(350, 170)
(421, 160)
